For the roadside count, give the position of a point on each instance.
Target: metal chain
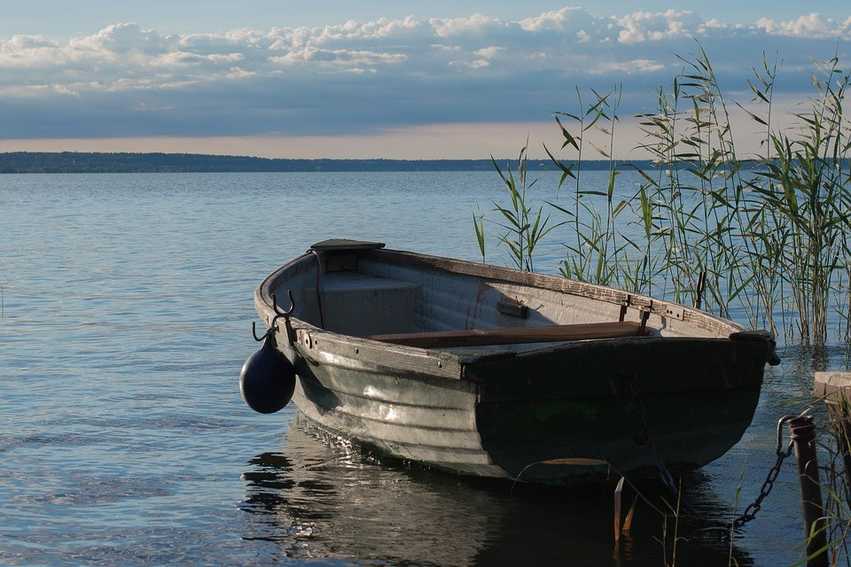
(753, 508)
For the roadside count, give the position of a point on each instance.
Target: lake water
(125, 314)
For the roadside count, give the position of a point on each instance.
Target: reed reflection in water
(324, 498)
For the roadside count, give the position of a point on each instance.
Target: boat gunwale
(426, 362)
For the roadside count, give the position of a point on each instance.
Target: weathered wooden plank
(512, 335)
(835, 387)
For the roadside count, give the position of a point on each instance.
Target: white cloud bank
(127, 81)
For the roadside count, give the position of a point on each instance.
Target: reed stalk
(765, 239)
(524, 226)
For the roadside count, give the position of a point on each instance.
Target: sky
(374, 78)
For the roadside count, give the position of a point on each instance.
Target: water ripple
(127, 304)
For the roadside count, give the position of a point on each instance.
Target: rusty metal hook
(279, 313)
(254, 332)
(780, 423)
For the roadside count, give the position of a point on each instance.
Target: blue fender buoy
(267, 379)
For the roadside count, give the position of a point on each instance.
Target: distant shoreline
(79, 162)
(85, 162)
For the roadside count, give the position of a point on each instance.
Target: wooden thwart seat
(513, 335)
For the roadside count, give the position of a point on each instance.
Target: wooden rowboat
(493, 372)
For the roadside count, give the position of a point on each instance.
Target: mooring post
(815, 524)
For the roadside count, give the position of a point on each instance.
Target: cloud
(630, 67)
(648, 26)
(350, 77)
(564, 20)
(476, 25)
(807, 26)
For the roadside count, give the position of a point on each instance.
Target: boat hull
(574, 415)
(677, 395)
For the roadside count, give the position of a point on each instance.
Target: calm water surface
(125, 312)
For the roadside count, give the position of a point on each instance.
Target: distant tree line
(81, 162)
(76, 162)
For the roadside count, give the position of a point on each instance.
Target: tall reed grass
(765, 239)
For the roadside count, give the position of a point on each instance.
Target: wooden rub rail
(513, 335)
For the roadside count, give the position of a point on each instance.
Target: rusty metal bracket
(513, 308)
(645, 315)
(624, 306)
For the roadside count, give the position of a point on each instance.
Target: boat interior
(389, 296)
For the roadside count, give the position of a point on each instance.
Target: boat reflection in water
(325, 499)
